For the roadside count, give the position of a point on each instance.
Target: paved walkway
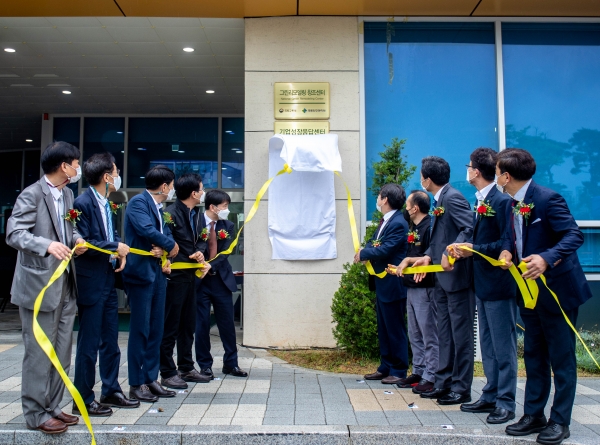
(279, 398)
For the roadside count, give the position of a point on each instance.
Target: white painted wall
(287, 303)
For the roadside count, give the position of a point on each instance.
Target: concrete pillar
(287, 303)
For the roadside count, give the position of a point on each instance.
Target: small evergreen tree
(353, 304)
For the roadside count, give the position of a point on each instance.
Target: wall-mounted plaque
(307, 100)
(301, 128)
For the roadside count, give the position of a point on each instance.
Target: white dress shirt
(102, 203)
(158, 207)
(520, 196)
(439, 192)
(482, 194)
(59, 207)
(386, 217)
(207, 220)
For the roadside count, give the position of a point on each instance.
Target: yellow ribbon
(47, 347)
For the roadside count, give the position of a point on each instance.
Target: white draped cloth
(302, 204)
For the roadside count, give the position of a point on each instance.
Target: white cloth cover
(302, 204)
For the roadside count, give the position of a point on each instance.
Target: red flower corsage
(412, 237)
(222, 234)
(485, 209)
(204, 234)
(376, 243)
(168, 218)
(524, 210)
(72, 216)
(438, 211)
(115, 207)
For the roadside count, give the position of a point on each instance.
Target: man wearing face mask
(180, 306)
(420, 304)
(39, 230)
(495, 289)
(97, 305)
(217, 287)
(148, 228)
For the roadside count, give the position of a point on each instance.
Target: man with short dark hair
(420, 303)
(180, 304)
(455, 300)
(495, 289)
(388, 246)
(42, 229)
(98, 304)
(147, 228)
(217, 287)
(544, 235)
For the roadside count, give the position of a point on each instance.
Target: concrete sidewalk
(280, 403)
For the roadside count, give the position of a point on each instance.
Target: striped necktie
(109, 228)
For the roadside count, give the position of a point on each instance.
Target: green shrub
(584, 361)
(353, 305)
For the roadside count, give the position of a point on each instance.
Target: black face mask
(406, 215)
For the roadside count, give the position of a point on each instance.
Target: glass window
(552, 91)
(102, 134)
(68, 129)
(589, 253)
(433, 84)
(32, 167)
(232, 154)
(10, 172)
(182, 144)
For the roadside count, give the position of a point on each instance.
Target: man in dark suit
(388, 246)
(545, 236)
(147, 228)
(217, 287)
(495, 289)
(180, 304)
(97, 305)
(38, 229)
(454, 296)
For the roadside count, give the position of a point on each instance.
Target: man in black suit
(180, 304)
(217, 286)
(454, 296)
(388, 245)
(495, 289)
(98, 305)
(544, 235)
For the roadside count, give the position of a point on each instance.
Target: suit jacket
(31, 228)
(142, 230)
(391, 251)
(454, 225)
(94, 269)
(552, 233)
(492, 283)
(188, 240)
(221, 264)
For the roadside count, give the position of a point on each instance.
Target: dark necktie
(193, 223)
(212, 241)
(514, 232)
(433, 206)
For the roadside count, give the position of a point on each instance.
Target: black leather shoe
(527, 425)
(207, 372)
(454, 398)
(236, 372)
(118, 400)
(94, 409)
(435, 393)
(194, 376)
(142, 393)
(375, 376)
(159, 391)
(174, 382)
(500, 415)
(553, 434)
(410, 381)
(481, 406)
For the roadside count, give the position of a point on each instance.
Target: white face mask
(423, 187)
(378, 207)
(223, 214)
(171, 194)
(202, 198)
(117, 182)
(77, 177)
(468, 178)
(498, 186)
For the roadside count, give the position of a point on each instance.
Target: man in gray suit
(452, 221)
(44, 238)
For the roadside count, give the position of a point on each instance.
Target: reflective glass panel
(101, 134)
(67, 129)
(589, 253)
(232, 155)
(185, 145)
(10, 172)
(433, 84)
(552, 92)
(32, 167)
